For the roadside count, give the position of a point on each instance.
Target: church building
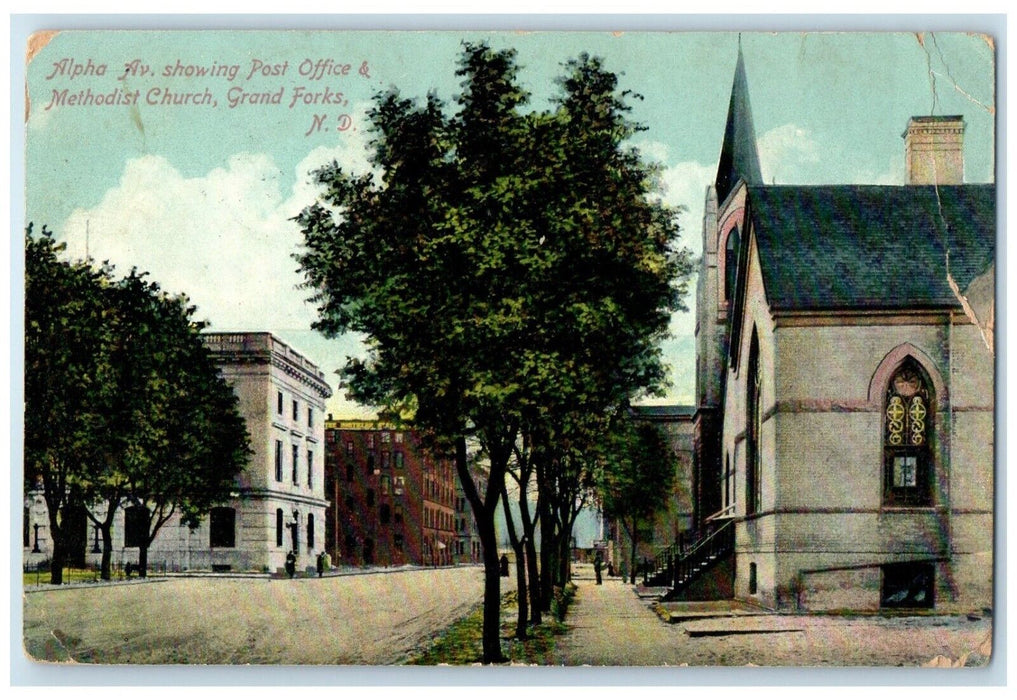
(844, 432)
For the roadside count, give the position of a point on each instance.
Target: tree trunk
(492, 593)
(517, 547)
(483, 514)
(56, 564)
(546, 560)
(106, 567)
(522, 595)
(143, 560)
(533, 574)
(633, 537)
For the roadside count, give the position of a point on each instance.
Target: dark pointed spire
(739, 159)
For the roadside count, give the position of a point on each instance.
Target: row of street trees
(124, 406)
(513, 274)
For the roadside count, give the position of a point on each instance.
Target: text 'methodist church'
(844, 435)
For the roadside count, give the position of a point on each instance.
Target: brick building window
(907, 429)
(222, 528)
(370, 498)
(397, 459)
(385, 514)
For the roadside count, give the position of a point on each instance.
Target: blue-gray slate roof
(871, 247)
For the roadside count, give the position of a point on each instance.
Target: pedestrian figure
(504, 565)
(321, 564)
(598, 564)
(291, 563)
(610, 569)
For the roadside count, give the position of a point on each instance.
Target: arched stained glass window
(907, 432)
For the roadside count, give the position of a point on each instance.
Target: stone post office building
(280, 497)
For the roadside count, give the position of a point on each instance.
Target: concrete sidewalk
(611, 626)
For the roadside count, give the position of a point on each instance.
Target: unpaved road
(373, 618)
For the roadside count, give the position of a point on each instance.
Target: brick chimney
(934, 150)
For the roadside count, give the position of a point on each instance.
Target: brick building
(392, 503)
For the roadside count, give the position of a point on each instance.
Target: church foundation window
(278, 527)
(753, 427)
(910, 585)
(397, 542)
(135, 526)
(907, 421)
(753, 581)
(222, 528)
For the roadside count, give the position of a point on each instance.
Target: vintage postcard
(509, 348)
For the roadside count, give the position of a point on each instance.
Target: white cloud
(224, 238)
(685, 186)
(784, 152)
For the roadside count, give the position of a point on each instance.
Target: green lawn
(31, 578)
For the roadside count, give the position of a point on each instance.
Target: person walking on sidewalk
(598, 564)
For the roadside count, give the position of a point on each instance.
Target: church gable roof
(871, 247)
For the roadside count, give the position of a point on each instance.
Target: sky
(202, 195)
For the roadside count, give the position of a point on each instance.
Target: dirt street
(364, 619)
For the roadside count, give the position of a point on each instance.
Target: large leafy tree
(123, 402)
(505, 278)
(66, 335)
(181, 439)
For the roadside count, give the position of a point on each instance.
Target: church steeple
(739, 159)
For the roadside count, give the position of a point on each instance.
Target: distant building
(468, 547)
(392, 502)
(677, 520)
(280, 503)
